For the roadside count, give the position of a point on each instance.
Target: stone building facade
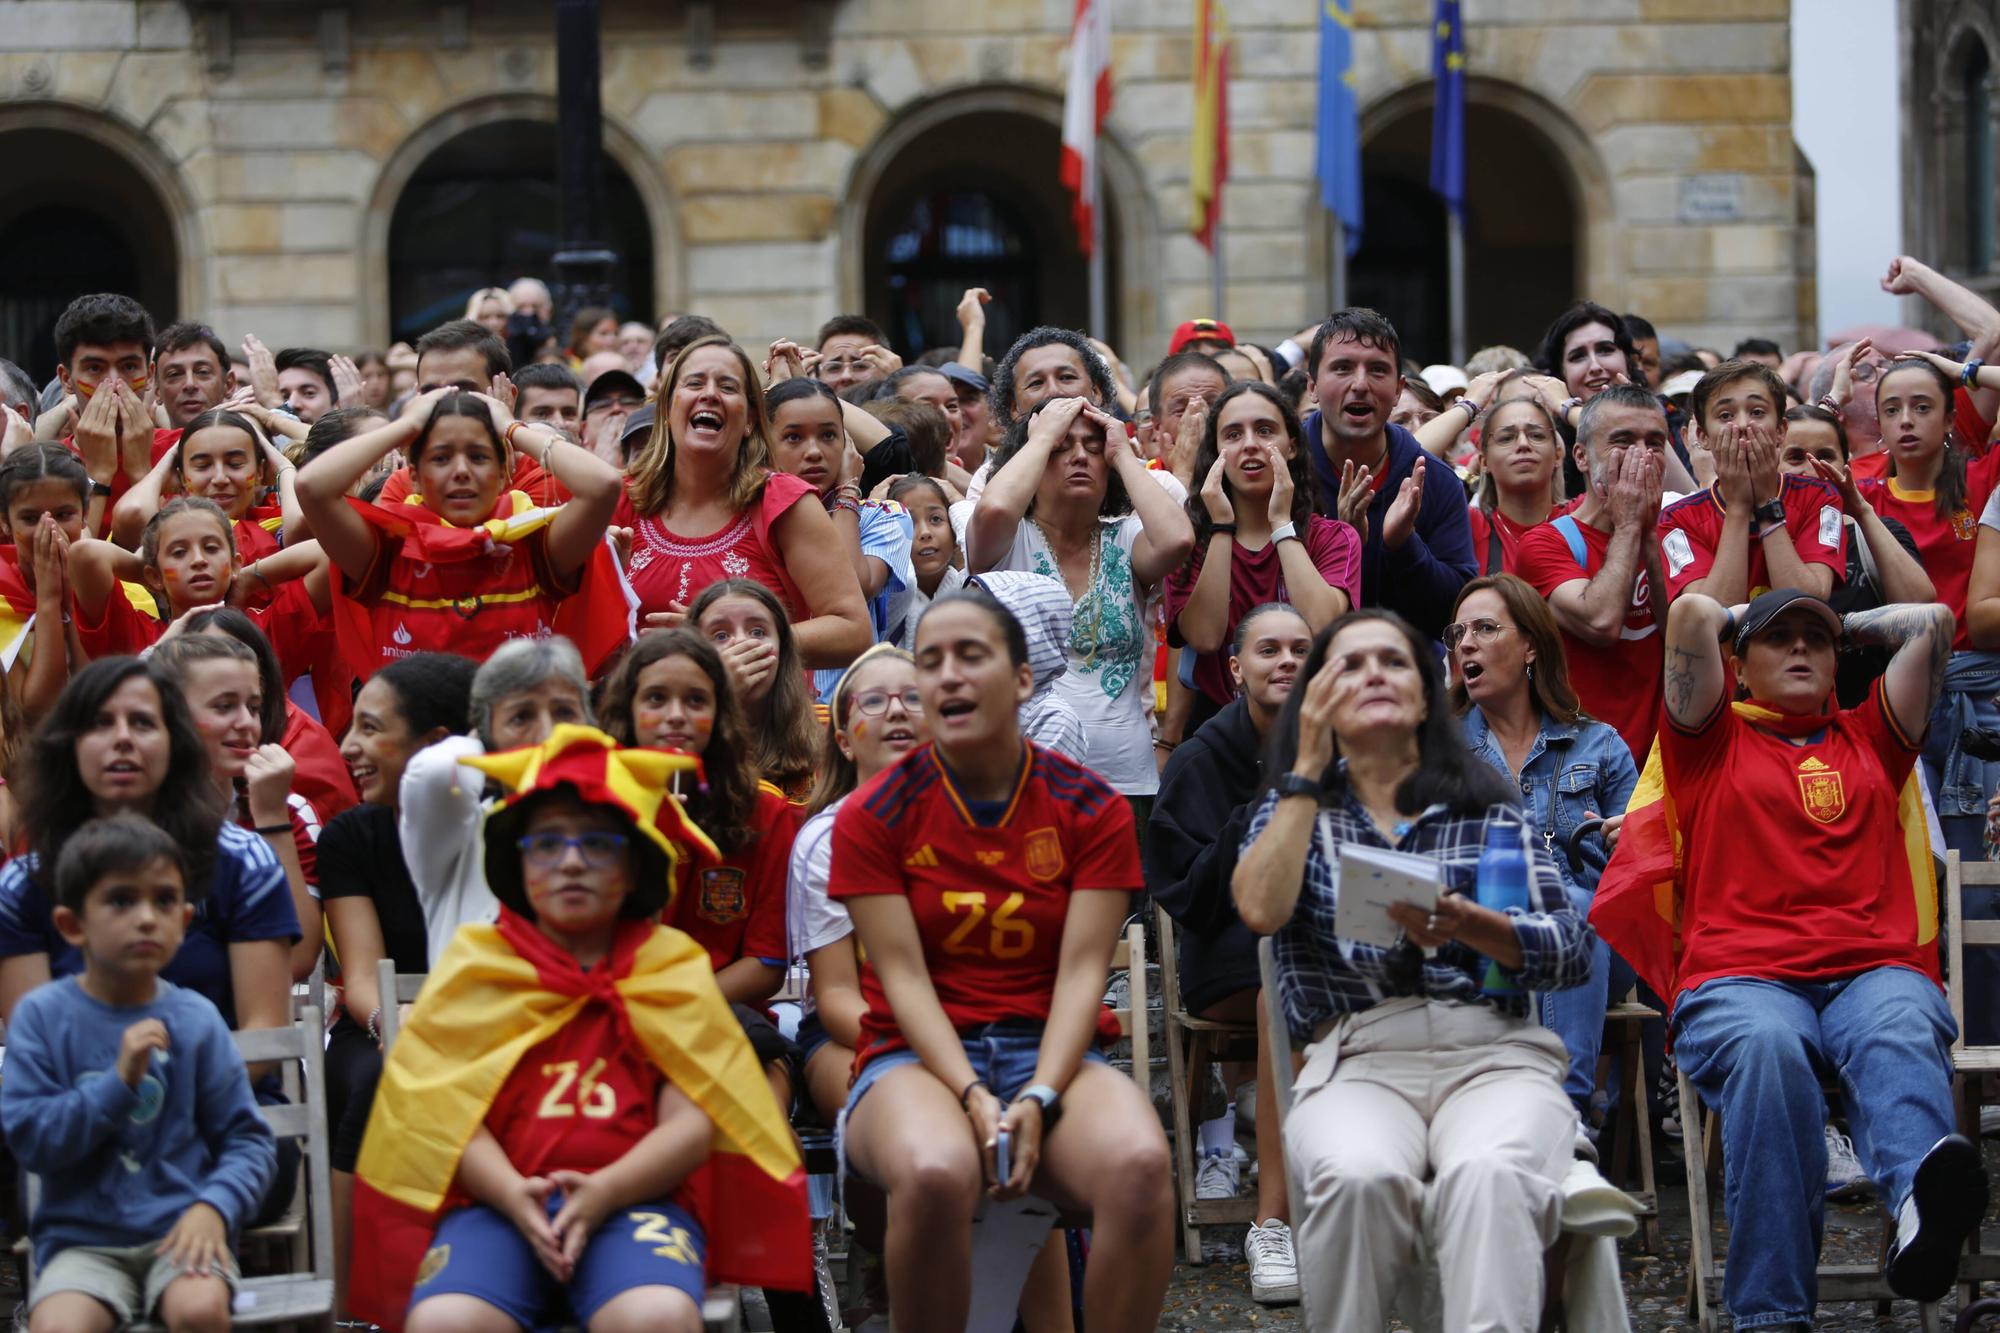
(1950, 62)
(786, 159)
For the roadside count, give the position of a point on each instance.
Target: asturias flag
(1085, 105)
(1339, 167)
(1448, 115)
(1210, 144)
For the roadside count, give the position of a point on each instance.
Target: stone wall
(282, 144)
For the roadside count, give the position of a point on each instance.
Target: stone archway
(1540, 227)
(96, 210)
(971, 172)
(460, 136)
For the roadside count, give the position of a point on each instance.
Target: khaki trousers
(1421, 1120)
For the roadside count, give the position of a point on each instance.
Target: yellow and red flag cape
(17, 603)
(501, 990)
(1642, 893)
(597, 618)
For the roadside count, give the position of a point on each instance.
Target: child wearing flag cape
(571, 1127)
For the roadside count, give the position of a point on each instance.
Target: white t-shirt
(813, 920)
(1109, 681)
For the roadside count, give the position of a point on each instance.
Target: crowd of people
(739, 741)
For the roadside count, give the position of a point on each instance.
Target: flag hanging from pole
(1085, 105)
(1339, 168)
(1210, 144)
(1448, 114)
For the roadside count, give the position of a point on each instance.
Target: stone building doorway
(77, 216)
(483, 209)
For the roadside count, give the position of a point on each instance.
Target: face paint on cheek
(860, 727)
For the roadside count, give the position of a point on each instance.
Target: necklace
(1091, 594)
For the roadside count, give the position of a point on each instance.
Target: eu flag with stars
(1339, 168)
(1448, 116)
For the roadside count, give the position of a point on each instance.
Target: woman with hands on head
(988, 879)
(221, 456)
(1070, 498)
(704, 502)
(460, 446)
(1257, 539)
(1428, 1092)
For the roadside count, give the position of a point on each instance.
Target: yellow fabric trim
(450, 603)
(1912, 497)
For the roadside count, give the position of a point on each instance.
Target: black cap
(1768, 606)
(638, 427)
(964, 376)
(611, 382)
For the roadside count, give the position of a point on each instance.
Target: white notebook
(1373, 879)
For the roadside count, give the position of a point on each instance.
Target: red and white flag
(1085, 106)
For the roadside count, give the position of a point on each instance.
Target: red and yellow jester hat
(635, 783)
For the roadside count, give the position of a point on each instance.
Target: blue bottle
(1503, 883)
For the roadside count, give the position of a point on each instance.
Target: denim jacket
(1573, 771)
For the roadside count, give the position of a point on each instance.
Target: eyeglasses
(841, 367)
(545, 851)
(874, 703)
(1482, 631)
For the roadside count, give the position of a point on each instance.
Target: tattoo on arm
(1680, 680)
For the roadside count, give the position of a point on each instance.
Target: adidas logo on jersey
(991, 858)
(923, 856)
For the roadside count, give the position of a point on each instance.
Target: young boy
(127, 1095)
(572, 1127)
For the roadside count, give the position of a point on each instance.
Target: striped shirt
(1321, 976)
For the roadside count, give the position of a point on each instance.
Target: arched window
(951, 240)
(484, 210)
(1978, 200)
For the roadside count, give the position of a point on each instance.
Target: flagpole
(1455, 264)
(1215, 274)
(1098, 328)
(1337, 263)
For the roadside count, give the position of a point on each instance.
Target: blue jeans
(1756, 1050)
(1577, 1014)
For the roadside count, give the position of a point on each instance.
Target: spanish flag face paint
(91, 364)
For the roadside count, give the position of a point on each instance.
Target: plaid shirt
(1321, 976)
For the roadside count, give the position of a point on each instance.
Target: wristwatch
(99, 488)
(1772, 511)
(1297, 784)
(1049, 1100)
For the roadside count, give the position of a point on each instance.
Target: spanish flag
(1210, 144)
(597, 618)
(500, 991)
(1640, 898)
(17, 605)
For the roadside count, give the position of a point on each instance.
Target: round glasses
(874, 703)
(545, 851)
(1482, 631)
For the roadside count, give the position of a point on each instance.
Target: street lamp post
(584, 263)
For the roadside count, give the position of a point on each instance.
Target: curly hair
(1001, 395)
(1116, 502)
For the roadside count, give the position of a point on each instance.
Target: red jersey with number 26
(579, 1100)
(990, 900)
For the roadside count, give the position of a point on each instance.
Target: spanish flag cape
(17, 606)
(501, 990)
(597, 618)
(1641, 895)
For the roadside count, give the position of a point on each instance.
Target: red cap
(1200, 330)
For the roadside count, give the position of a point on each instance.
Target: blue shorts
(477, 1252)
(1003, 1053)
(811, 1036)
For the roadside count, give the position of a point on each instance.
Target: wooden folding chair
(1129, 957)
(1194, 1045)
(1631, 1130)
(396, 989)
(1975, 1069)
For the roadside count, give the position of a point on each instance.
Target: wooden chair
(1129, 957)
(396, 989)
(1194, 1045)
(1631, 1132)
(1975, 1069)
(1702, 1151)
(288, 1298)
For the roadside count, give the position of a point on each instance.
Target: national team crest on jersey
(434, 1263)
(1044, 854)
(1964, 525)
(722, 895)
(1819, 787)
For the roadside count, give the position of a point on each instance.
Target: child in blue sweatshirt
(126, 1095)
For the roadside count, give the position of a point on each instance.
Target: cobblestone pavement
(1215, 1297)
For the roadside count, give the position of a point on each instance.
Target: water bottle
(1503, 883)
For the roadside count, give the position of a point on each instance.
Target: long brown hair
(1489, 492)
(651, 472)
(784, 744)
(1950, 487)
(728, 797)
(1537, 624)
(1305, 491)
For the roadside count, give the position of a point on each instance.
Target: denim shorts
(1004, 1054)
(812, 1035)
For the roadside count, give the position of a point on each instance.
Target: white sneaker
(1274, 1270)
(1844, 1177)
(1217, 1176)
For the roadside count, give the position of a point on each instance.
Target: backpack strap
(1573, 536)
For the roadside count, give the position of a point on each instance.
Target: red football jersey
(737, 909)
(1691, 527)
(1946, 545)
(1489, 530)
(990, 900)
(121, 629)
(578, 1101)
(1823, 889)
(1618, 683)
